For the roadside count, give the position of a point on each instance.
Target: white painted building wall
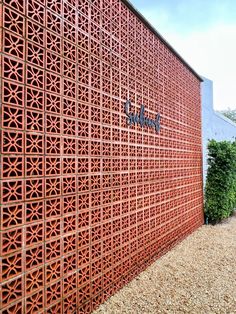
(214, 125)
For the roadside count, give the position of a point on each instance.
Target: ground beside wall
(177, 284)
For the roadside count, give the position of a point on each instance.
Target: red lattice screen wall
(87, 202)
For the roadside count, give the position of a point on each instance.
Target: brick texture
(87, 201)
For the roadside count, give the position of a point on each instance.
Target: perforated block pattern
(88, 202)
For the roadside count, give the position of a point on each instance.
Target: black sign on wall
(140, 119)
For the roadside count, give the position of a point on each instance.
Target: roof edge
(155, 32)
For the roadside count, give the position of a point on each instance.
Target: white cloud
(212, 54)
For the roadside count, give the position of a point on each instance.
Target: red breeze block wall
(87, 202)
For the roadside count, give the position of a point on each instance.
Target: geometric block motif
(88, 201)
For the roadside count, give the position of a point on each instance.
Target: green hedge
(220, 190)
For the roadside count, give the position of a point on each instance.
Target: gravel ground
(198, 276)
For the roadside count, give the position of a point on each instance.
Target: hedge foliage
(220, 190)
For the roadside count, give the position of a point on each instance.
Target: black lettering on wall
(140, 118)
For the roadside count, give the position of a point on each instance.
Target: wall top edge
(155, 32)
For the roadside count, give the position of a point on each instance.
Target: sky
(203, 32)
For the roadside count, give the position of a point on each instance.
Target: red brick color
(88, 202)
